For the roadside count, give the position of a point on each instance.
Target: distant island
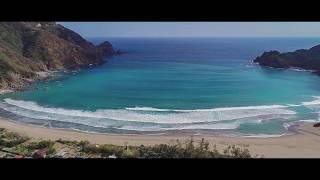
(29, 50)
(307, 59)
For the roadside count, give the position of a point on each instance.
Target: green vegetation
(107, 150)
(27, 149)
(10, 139)
(10, 35)
(41, 145)
(28, 47)
(187, 149)
(15, 144)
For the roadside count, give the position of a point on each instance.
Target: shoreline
(304, 143)
(5, 91)
(48, 75)
(28, 83)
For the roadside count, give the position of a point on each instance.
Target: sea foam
(217, 126)
(316, 101)
(34, 110)
(209, 110)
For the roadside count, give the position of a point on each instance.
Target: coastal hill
(308, 59)
(29, 49)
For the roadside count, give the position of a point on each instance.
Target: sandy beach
(304, 144)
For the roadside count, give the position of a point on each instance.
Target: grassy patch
(11, 139)
(187, 149)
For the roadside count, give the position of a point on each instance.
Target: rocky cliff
(308, 59)
(27, 48)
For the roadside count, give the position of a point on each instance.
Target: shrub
(131, 152)
(10, 139)
(105, 150)
(236, 152)
(179, 150)
(67, 142)
(41, 145)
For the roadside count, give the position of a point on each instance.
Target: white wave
(98, 123)
(103, 117)
(301, 70)
(146, 109)
(221, 126)
(314, 102)
(286, 125)
(138, 128)
(265, 135)
(209, 110)
(309, 120)
(293, 105)
(217, 126)
(29, 105)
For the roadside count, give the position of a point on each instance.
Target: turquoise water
(191, 85)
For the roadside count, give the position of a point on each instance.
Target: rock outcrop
(30, 47)
(316, 125)
(308, 59)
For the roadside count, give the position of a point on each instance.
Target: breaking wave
(316, 101)
(146, 114)
(216, 126)
(208, 110)
(156, 119)
(149, 119)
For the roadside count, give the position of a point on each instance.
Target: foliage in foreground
(14, 144)
(187, 149)
(10, 139)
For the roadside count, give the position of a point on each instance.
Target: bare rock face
(106, 48)
(30, 47)
(316, 125)
(308, 59)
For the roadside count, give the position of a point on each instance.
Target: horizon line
(201, 36)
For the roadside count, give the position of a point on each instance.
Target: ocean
(176, 85)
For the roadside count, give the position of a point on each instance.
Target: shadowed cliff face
(29, 47)
(308, 59)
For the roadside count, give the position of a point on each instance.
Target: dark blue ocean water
(194, 85)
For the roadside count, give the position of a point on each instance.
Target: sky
(195, 29)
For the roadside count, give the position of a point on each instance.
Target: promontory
(29, 49)
(308, 59)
